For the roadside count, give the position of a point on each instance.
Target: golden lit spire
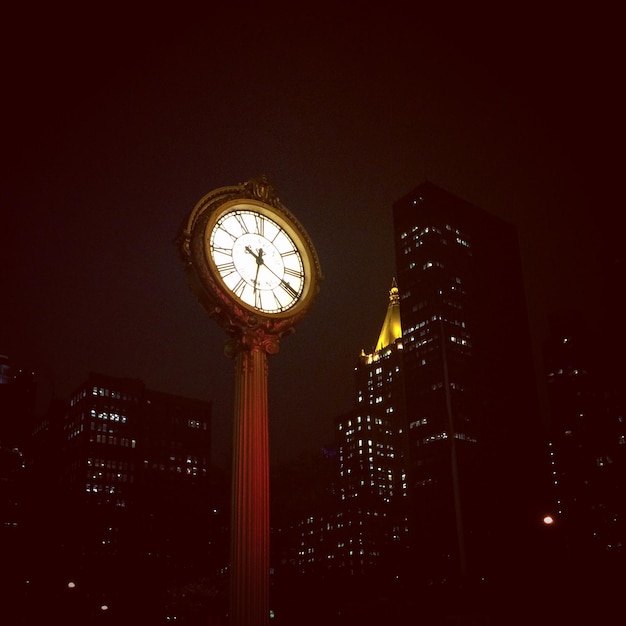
(392, 328)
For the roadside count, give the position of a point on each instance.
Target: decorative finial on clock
(261, 189)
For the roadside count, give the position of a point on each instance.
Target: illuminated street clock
(250, 261)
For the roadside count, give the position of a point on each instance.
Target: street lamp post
(253, 267)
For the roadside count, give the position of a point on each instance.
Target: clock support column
(250, 530)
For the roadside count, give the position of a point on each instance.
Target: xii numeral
(260, 225)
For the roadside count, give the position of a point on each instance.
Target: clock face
(257, 260)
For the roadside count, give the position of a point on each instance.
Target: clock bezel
(206, 281)
(256, 206)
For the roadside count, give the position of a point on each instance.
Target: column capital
(252, 339)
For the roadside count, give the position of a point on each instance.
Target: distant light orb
(104, 607)
(71, 584)
(548, 520)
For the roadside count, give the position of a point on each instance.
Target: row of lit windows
(363, 428)
(418, 422)
(359, 419)
(433, 438)
(425, 348)
(412, 329)
(460, 341)
(417, 232)
(417, 242)
(571, 372)
(114, 476)
(111, 440)
(189, 470)
(79, 396)
(444, 435)
(189, 459)
(102, 428)
(430, 264)
(464, 437)
(111, 393)
(98, 488)
(373, 399)
(428, 344)
(351, 456)
(112, 416)
(109, 464)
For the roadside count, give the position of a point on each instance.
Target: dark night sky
(115, 124)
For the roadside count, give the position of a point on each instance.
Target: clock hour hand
(259, 261)
(258, 257)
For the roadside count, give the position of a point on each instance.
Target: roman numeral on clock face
(295, 273)
(224, 230)
(238, 289)
(242, 223)
(225, 269)
(260, 224)
(288, 288)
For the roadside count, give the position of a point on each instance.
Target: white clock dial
(257, 260)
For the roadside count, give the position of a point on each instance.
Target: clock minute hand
(256, 276)
(283, 282)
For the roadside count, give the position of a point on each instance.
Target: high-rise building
(353, 541)
(122, 501)
(356, 528)
(470, 389)
(586, 447)
(372, 483)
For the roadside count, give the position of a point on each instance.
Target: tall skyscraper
(365, 523)
(372, 479)
(470, 389)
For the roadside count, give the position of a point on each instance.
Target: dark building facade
(17, 403)
(586, 449)
(122, 506)
(470, 390)
(441, 478)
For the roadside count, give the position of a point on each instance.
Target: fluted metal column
(250, 509)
